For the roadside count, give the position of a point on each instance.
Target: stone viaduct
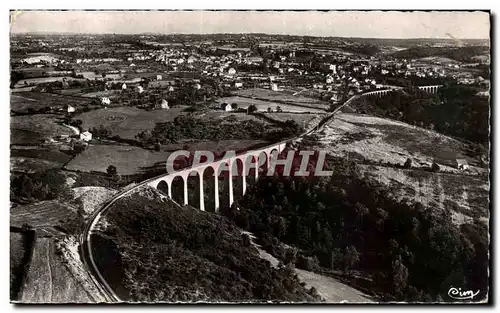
(430, 89)
(380, 93)
(235, 166)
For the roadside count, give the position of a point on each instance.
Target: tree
(351, 258)
(407, 163)
(435, 167)
(234, 106)
(269, 110)
(399, 275)
(111, 170)
(251, 108)
(278, 109)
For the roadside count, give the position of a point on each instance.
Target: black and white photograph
(250, 156)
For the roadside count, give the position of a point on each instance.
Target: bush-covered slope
(168, 253)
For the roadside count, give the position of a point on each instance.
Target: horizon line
(250, 33)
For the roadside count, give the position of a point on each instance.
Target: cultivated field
(22, 101)
(262, 106)
(292, 95)
(49, 280)
(35, 129)
(127, 122)
(45, 213)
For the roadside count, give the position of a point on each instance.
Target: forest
(344, 223)
(169, 253)
(190, 127)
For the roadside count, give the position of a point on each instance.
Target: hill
(156, 251)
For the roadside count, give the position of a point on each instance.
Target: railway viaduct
(236, 166)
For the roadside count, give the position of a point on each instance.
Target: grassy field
(305, 120)
(45, 213)
(31, 165)
(378, 139)
(293, 95)
(40, 80)
(35, 129)
(264, 105)
(373, 142)
(22, 101)
(127, 159)
(48, 280)
(131, 160)
(127, 122)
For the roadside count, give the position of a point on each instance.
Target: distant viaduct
(380, 93)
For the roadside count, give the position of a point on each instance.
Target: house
(231, 71)
(197, 86)
(140, 89)
(71, 109)
(163, 105)
(124, 86)
(462, 164)
(105, 101)
(238, 84)
(159, 77)
(86, 136)
(226, 107)
(274, 87)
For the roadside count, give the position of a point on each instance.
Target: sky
(370, 24)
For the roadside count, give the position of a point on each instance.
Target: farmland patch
(127, 122)
(45, 213)
(48, 280)
(263, 106)
(35, 129)
(298, 96)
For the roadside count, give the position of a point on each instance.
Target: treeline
(462, 54)
(168, 253)
(346, 224)
(39, 186)
(190, 127)
(455, 110)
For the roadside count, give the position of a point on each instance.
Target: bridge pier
(185, 180)
(202, 196)
(216, 184)
(243, 173)
(231, 195)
